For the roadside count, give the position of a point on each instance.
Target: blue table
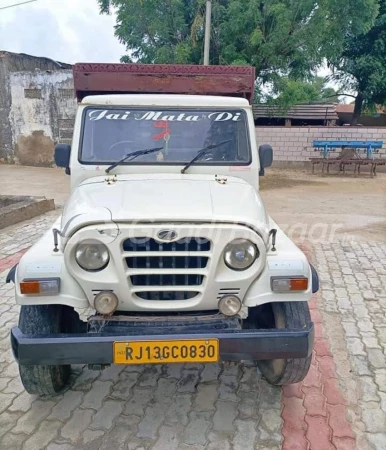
(328, 146)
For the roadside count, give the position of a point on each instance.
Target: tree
(287, 92)
(361, 66)
(278, 37)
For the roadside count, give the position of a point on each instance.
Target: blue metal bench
(328, 146)
(371, 147)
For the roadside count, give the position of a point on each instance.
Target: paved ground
(341, 404)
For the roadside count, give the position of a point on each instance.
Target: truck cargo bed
(96, 79)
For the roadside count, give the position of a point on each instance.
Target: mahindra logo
(167, 235)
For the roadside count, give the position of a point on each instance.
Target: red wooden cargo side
(96, 79)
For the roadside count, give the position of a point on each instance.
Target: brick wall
(294, 144)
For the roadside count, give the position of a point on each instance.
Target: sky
(64, 30)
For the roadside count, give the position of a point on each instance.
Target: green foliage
(159, 31)
(278, 37)
(361, 65)
(287, 92)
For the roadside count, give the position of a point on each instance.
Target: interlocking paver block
(195, 432)
(111, 373)
(74, 428)
(124, 428)
(153, 418)
(22, 402)
(374, 418)
(30, 420)
(63, 409)
(164, 390)
(105, 417)
(224, 416)
(138, 402)
(45, 433)
(7, 421)
(94, 398)
(123, 387)
(91, 438)
(179, 409)
(248, 406)
(206, 397)
(168, 439)
(245, 435)
(150, 375)
(188, 381)
(270, 426)
(12, 441)
(228, 388)
(219, 441)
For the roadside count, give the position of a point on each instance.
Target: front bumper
(97, 348)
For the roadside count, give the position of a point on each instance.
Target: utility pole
(208, 20)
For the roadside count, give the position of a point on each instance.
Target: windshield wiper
(202, 152)
(133, 156)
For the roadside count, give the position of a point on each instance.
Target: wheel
(43, 319)
(291, 315)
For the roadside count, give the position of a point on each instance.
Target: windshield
(110, 134)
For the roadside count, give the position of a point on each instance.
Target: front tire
(290, 315)
(43, 319)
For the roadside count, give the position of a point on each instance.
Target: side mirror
(266, 157)
(62, 156)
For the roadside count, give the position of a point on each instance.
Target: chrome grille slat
(166, 262)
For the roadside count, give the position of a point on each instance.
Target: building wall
(294, 144)
(37, 108)
(42, 113)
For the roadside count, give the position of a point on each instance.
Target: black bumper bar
(97, 348)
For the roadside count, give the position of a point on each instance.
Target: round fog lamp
(229, 305)
(106, 302)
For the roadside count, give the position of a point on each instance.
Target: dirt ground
(355, 206)
(296, 199)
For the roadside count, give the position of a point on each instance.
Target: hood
(164, 198)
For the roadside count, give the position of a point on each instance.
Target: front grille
(167, 295)
(178, 264)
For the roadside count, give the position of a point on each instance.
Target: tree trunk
(357, 109)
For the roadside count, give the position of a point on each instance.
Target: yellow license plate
(164, 352)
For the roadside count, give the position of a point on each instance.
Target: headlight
(240, 254)
(92, 255)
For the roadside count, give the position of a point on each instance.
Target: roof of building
(312, 111)
(58, 64)
(344, 108)
(349, 109)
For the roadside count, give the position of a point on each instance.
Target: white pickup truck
(164, 236)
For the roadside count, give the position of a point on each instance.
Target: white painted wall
(40, 114)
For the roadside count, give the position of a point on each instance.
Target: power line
(17, 4)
